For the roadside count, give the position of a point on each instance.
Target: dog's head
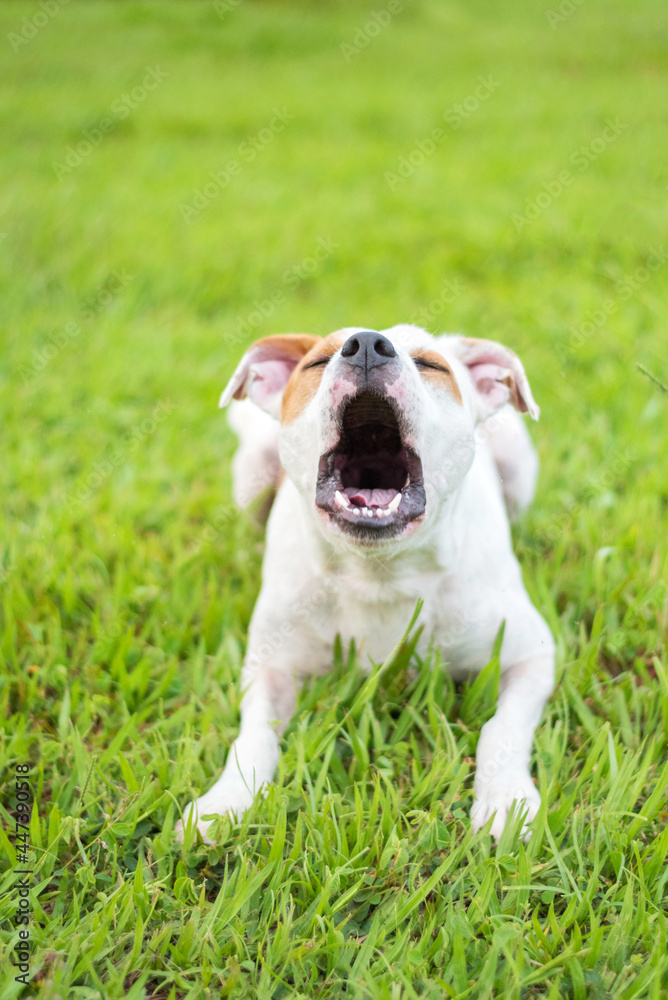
(378, 428)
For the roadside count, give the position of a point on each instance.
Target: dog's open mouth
(371, 482)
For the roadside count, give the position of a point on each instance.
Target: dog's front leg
(267, 706)
(504, 749)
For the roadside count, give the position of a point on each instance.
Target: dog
(400, 457)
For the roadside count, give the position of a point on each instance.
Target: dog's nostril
(368, 349)
(384, 348)
(351, 347)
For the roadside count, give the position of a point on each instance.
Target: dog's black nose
(368, 350)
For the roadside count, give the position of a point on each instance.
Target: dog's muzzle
(370, 483)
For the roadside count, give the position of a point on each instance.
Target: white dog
(399, 449)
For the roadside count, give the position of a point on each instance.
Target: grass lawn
(177, 180)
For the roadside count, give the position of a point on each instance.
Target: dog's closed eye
(422, 362)
(317, 362)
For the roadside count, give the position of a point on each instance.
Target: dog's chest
(376, 614)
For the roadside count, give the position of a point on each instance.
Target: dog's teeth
(357, 511)
(392, 506)
(341, 500)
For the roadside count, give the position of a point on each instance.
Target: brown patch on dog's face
(434, 368)
(305, 379)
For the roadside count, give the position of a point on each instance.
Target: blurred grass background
(128, 576)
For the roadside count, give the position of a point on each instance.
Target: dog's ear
(263, 372)
(497, 375)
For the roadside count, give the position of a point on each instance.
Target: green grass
(129, 577)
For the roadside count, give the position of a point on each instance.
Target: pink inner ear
(267, 378)
(486, 378)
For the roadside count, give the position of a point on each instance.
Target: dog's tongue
(370, 498)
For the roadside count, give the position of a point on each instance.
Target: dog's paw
(500, 799)
(217, 802)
